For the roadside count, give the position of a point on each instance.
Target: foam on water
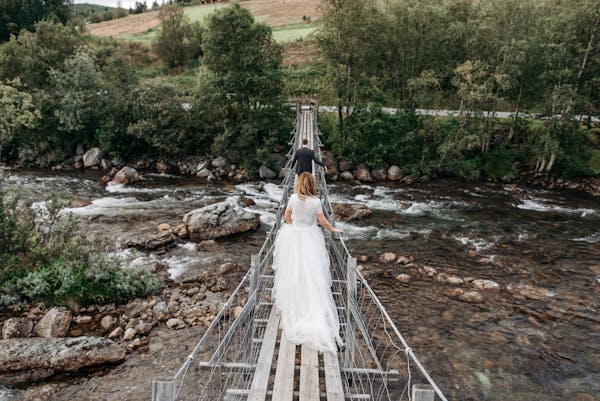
(479, 244)
(120, 189)
(542, 205)
(188, 246)
(591, 239)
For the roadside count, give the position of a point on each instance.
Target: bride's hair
(306, 185)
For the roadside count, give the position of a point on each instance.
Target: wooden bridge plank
(258, 390)
(333, 377)
(309, 375)
(283, 388)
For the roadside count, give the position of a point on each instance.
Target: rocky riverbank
(218, 168)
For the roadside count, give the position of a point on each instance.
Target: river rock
(164, 227)
(350, 211)
(265, 172)
(175, 323)
(16, 327)
(92, 157)
(330, 162)
(531, 292)
(220, 220)
(449, 279)
(23, 360)
(394, 173)
(387, 257)
(165, 239)
(453, 292)
(472, 297)
(345, 165)
(220, 162)
(428, 271)
(106, 322)
(55, 323)
(80, 202)
(105, 164)
(162, 167)
(403, 260)
(347, 176)
(486, 285)
(129, 334)
(83, 319)
(162, 310)
(116, 333)
(403, 278)
(204, 173)
(362, 174)
(379, 174)
(126, 176)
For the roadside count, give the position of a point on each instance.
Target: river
(538, 338)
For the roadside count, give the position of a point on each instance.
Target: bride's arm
(288, 216)
(326, 224)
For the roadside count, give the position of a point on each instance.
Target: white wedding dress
(302, 288)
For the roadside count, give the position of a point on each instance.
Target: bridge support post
(422, 392)
(349, 338)
(252, 295)
(164, 390)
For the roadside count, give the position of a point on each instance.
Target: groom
(304, 156)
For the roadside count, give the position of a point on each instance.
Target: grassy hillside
(290, 20)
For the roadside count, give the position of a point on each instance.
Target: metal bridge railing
(377, 363)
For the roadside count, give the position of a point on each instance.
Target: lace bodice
(304, 212)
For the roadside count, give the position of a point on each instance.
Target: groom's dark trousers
(304, 156)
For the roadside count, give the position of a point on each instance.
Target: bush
(50, 261)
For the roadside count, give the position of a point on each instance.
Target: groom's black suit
(304, 156)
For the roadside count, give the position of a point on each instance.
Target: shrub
(53, 263)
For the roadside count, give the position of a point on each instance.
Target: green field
(282, 34)
(198, 13)
(290, 33)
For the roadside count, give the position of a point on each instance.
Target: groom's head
(305, 142)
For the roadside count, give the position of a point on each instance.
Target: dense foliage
(16, 15)
(45, 258)
(80, 91)
(477, 57)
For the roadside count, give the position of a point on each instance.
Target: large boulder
(379, 174)
(126, 176)
(92, 157)
(350, 211)
(220, 162)
(24, 360)
(219, 220)
(362, 174)
(394, 173)
(55, 323)
(265, 172)
(331, 163)
(15, 327)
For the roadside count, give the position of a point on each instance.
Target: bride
(302, 288)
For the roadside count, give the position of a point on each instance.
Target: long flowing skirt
(302, 288)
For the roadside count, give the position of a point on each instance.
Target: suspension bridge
(244, 356)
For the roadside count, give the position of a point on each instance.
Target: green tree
(32, 54)
(351, 40)
(160, 120)
(17, 110)
(16, 15)
(243, 56)
(80, 97)
(178, 42)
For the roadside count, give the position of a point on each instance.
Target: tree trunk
(341, 126)
(513, 127)
(551, 162)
